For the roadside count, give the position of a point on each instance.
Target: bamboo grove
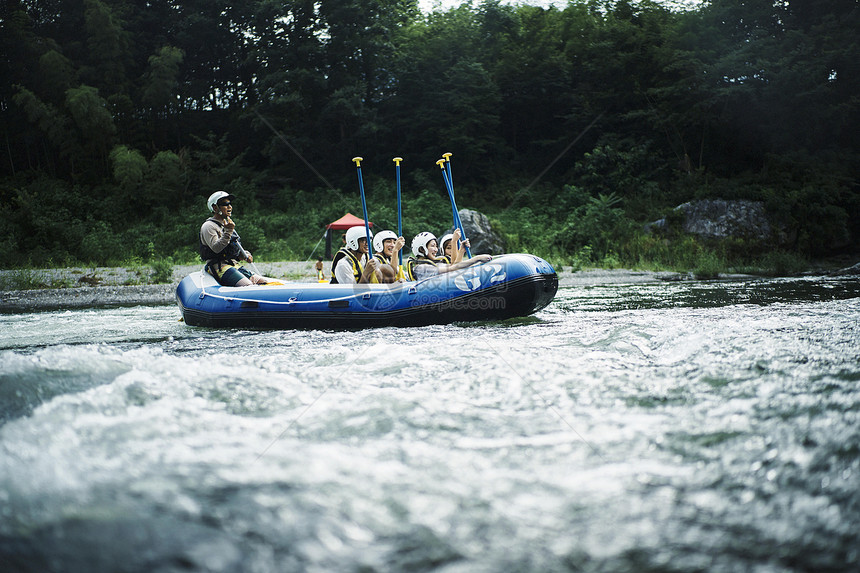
(570, 126)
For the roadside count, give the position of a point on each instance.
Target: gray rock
(85, 297)
(482, 237)
(721, 219)
(653, 226)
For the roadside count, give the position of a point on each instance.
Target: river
(690, 426)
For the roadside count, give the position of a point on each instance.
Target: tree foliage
(586, 118)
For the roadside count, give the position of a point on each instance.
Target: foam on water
(624, 428)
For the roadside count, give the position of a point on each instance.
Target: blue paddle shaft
(364, 210)
(457, 222)
(399, 211)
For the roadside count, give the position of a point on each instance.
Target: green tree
(445, 98)
(161, 80)
(54, 139)
(94, 122)
(533, 75)
(129, 167)
(56, 75)
(580, 118)
(107, 49)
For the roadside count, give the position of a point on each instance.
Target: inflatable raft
(505, 287)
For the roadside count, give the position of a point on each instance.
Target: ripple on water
(656, 427)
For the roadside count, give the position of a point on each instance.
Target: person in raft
(387, 245)
(221, 248)
(424, 264)
(446, 249)
(350, 264)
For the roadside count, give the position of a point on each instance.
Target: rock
(482, 237)
(721, 219)
(653, 226)
(85, 297)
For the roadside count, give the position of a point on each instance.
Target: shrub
(162, 270)
(99, 244)
(581, 258)
(783, 263)
(709, 265)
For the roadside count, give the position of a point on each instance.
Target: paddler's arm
(244, 255)
(399, 273)
(443, 268)
(214, 238)
(457, 253)
(369, 270)
(461, 252)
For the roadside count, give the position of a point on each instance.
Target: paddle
(397, 161)
(357, 161)
(447, 158)
(457, 223)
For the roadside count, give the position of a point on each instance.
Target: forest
(570, 127)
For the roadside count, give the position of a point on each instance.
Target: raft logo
(446, 291)
(474, 277)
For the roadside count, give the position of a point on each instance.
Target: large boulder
(722, 219)
(482, 237)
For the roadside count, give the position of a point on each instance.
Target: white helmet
(443, 240)
(353, 234)
(419, 243)
(215, 197)
(380, 238)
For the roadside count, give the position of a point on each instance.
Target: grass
(30, 279)
(775, 264)
(23, 279)
(709, 266)
(690, 257)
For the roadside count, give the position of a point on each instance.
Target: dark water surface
(652, 427)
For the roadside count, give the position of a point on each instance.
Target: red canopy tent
(347, 221)
(342, 224)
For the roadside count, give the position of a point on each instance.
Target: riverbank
(35, 290)
(78, 287)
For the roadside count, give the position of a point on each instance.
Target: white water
(693, 426)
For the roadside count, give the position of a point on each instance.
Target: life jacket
(413, 262)
(233, 250)
(443, 259)
(356, 264)
(398, 268)
(384, 260)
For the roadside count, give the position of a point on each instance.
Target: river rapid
(692, 426)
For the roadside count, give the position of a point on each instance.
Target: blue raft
(505, 287)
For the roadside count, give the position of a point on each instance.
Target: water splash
(623, 428)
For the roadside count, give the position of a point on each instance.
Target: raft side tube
(506, 287)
